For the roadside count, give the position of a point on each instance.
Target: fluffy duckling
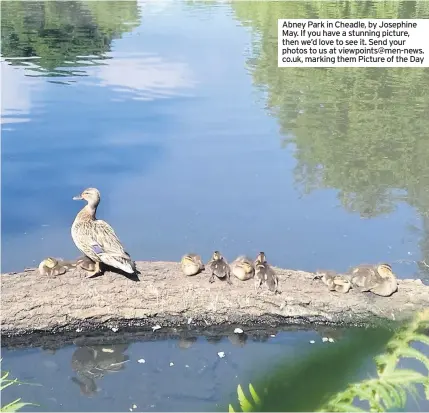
(53, 267)
(87, 265)
(379, 279)
(242, 267)
(191, 264)
(219, 267)
(334, 281)
(265, 274)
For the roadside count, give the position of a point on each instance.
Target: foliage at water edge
(387, 391)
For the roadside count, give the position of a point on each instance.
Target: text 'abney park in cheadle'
(353, 42)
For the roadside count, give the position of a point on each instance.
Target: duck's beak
(77, 198)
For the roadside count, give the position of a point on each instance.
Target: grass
(17, 404)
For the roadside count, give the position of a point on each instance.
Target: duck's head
(261, 258)
(188, 260)
(216, 255)
(50, 262)
(385, 270)
(90, 195)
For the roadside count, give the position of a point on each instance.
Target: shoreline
(36, 305)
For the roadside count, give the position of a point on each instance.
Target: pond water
(87, 377)
(186, 373)
(178, 113)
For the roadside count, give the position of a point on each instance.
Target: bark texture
(163, 296)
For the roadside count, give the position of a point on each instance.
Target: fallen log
(72, 302)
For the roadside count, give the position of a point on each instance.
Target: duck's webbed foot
(228, 278)
(212, 279)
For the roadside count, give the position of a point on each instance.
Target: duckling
(96, 238)
(265, 274)
(334, 281)
(191, 264)
(219, 267)
(379, 279)
(242, 268)
(53, 267)
(88, 265)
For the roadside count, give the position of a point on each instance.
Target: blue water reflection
(171, 130)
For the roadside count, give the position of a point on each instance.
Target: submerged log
(162, 295)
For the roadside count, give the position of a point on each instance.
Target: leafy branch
(389, 390)
(385, 392)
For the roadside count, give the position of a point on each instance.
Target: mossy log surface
(163, 296)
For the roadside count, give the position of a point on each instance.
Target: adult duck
(96, 238)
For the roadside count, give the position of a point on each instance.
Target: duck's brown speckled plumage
(379, 279)
(335, 282)
(96, 238)
(219, 267)
(264, 274)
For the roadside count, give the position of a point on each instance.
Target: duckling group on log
(99, 243)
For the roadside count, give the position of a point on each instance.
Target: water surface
(184, 374)
(178, 113)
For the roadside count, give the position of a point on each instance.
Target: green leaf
(402, 376)
(382, 359)
(411, 352)
(400, 390)
(231, 409)
(8, 383)
(245, 404)
(255, 396)
(15, 406)
(364, 394)
(421, 338)
(396, 398)
(345, 407)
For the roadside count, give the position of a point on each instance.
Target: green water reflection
(361, 131)
(60, 34)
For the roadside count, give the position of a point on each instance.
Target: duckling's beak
(77, 198)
